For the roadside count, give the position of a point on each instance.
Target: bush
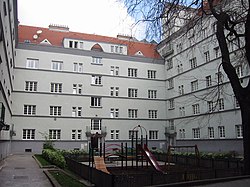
(54, 157)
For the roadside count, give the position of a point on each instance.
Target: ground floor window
(153, 135)
(28, 134)
(54, 134)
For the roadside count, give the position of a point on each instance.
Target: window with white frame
(73, 134)
(170, 83)
(54, 134)
(55, 110)
(114, 70)
(182, 133)
(2, 112)
(96, 80)
(114, 134)
(56, 65)
(96, 124)
(179, 47)
(95, 102)
(114, 91)
(236, 103)
(77, 88)
(28, 134)
(153, 134)
(210, 132)
(181, 89)
(193, 62)
(116, 49)
(207, 56)
(169, 64)
(182, 111)
(132, 92)
(32, 63)
(75, 44)
(29, 109)
(171, 124)
(133, 133)
(77, 67)
(171, 104)
(56, 87)
(117, 134)
(219, 77)
(216, 52)
(210, 106)
(194, 85)
(151, 74)
(76, 134)
(31, 86)
(76, 111)
(114, 112)
(152, 114)
(196, 133)
(152, 94)
(96, 60)
(132, 72)
(239, 131)
(221, 104)
(239, 71)
(208, 81)
(179, 68)
(132, 113)
(196, 108)
(221, 131)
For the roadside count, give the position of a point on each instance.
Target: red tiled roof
(56, 38)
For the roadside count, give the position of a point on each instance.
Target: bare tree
(233, 24)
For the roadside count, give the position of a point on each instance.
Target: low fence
(136, 179)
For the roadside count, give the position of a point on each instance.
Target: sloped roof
(56, 37)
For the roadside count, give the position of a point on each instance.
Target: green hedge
(54, 157)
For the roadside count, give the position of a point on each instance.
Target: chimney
(61, 28)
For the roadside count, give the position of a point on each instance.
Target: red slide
(151, 159)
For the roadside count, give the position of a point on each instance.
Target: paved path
(22, 171)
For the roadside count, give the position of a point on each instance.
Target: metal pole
(136, 149)
(126, 154)
(122, 154)
(132, 149)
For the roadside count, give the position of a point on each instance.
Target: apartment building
(201, 106)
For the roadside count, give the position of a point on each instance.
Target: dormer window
(116, 49)
(139, 53)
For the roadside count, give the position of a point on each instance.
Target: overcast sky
(103, 17)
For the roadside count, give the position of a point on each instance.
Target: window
(2, 112)
(114, 70)
(153, 135)
(182, 134)
(239, 71)
(96, 80)
(29, 110)
(216, 52)
(28, 134)
(236, 103)
(132, 72)
(182, 111)
(210, 132)
(96, 60)
(31, 86)
(171, 124)
(152, 94)
(193, 62)
(76, 111)
(214, 26)
(133, 133)
(95, 102)
(96, 124)
(210, 106)
(114, 91)
(55, 110)
(74, 44)
(152, 114)
(132, 113)
(114, 134)
(181, 89)
(219, 77)
(76, 134)
(179, 47)
(208, 81)
(221, 104)
(4, 8)
(77, 67)
(77, 88)
(239, 131)
(204, 33)
(56, 65)
(32, 63)
(207, 56)
(170, 83)
(221, 130)
(169, 64)
(132, 92)
(194, 85)
(54, 134)
(81, 45)
(196, 109)
(114, 112)
(171, 104)
(56, 87)
(179, 68)
(196, 133)
(151, 74)
(116, 49)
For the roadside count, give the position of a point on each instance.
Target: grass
(65, 180)
(42, 161)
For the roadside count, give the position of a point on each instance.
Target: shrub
(54, 157)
